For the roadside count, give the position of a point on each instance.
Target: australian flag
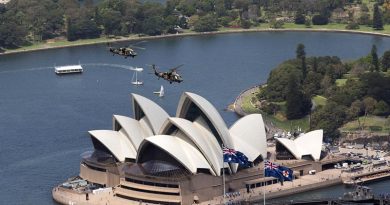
(231, 155)
(277, 171)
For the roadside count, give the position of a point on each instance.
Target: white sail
(161, 92)
(135, 75)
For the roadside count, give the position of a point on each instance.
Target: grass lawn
(319, 100)
(341, 82)
(279, 120)
(372, 123)
(285, 124)
(248, 106)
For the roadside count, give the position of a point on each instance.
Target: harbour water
(45, 117)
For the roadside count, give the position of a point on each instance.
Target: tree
(308, 23)
(386, 61)
(320, 20)
(110, 20)
(276, 24)
(299, 17)
(355, 111)
(369, 106)
(329, 118)
(301, 55)
(374, 59)
(153, 25)
(382, 108)
(377, 22)
(206, 23)
(298, 104)
(12, 32)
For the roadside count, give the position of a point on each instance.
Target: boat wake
(119, 66)
(110, 65)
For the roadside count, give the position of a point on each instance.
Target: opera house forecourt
(154, 158)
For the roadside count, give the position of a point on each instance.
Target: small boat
(161, 92)
(361, 193)
(68, 69)
(134, 79)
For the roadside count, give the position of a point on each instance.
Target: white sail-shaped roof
(207, 109)
(135, 131)
(192, 140)
(307, 144)
(249, 136)
(153, 113)
(203, 141)
(118, 144)
(183, 151)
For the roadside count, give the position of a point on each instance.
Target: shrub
(320, 20)
(352, 26)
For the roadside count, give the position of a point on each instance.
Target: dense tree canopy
(29, 21)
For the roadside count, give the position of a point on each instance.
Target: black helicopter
(171, 75)
(125, 51)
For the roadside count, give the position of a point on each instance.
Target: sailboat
(161, 92)
(135, 75)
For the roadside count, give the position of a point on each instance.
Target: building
(305, 146)
(158, 159)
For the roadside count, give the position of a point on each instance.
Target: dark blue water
(44, 118)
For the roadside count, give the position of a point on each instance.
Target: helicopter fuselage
(123, 52)
(169, 76)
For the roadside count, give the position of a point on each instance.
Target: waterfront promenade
(305, 183)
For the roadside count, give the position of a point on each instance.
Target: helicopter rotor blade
(176, 68)
(137, 47)
(139, 42)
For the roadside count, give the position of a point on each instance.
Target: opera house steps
(156, 189)
(144, 196)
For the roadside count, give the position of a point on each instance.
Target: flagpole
(223, 176)
(264, 184)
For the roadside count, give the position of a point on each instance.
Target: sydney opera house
(158, 159)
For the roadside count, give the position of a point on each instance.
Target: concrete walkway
(305, 183)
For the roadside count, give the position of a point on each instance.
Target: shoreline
(46, 46)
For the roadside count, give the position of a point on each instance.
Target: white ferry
(68, 69)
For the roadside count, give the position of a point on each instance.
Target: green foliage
(224, 21)
(12, 32)
(271, 108)
(329, 118)
(246, 24)
(82, 29)
(374, 59)
(376, 85)
(301, 55)
(308, 23)
(206, 23)
(298, 104)
(382, 109)
(352, 25)
(276, 24)
(278, 80)
(385, 61)
(345, 95)
(320, 20)
(364, 19)
(300, 17)
(153, 25)
(377, 22)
